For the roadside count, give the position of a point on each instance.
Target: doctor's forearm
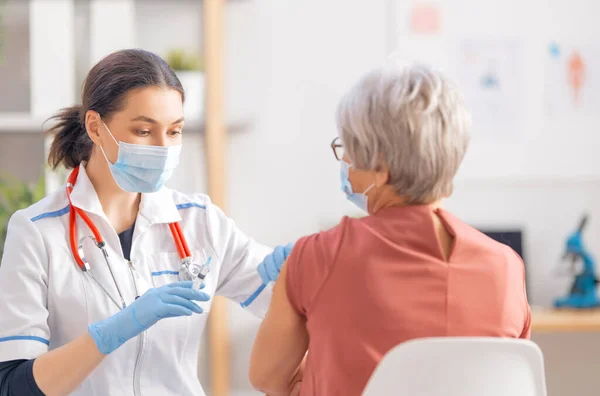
(61, 370)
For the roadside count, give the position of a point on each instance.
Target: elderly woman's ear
(382, 176)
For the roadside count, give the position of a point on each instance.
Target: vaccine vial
(197, 284)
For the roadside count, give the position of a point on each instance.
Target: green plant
(16, 195)
(180, 60)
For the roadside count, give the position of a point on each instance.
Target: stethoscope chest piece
(190, 270)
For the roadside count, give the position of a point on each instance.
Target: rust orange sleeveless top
(371, 283)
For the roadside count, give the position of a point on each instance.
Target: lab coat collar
(157, 207)
(83, 195)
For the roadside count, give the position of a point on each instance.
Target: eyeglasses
(338, 149)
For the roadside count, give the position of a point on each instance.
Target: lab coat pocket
(165, 269)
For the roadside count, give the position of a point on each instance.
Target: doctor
(105, 285)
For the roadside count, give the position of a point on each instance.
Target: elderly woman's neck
(387, 197)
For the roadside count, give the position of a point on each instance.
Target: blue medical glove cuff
(271, 266)
(112, 332)
(288, 249)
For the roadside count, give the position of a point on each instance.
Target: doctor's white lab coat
(47, 301)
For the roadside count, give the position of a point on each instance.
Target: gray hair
(412, 121)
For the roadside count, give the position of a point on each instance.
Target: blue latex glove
(271, 265)
(174, 299)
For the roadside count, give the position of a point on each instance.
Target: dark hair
(103, 91)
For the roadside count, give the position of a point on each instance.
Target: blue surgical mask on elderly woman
(358, 199)
(142, 168)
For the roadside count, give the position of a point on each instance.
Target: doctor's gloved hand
(271, 265)
(174, 299)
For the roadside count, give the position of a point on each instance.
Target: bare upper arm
(280, 344)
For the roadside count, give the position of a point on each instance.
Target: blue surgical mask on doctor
(141, 168)
(359, 199)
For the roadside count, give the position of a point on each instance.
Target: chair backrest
(460, 366)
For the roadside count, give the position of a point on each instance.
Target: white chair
(460, 366)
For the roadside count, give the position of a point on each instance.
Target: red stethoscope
(189, 269)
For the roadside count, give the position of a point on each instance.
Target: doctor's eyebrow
(153, 121)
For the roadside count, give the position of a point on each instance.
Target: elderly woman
(408, 270)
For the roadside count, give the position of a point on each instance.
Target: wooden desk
(564, 320)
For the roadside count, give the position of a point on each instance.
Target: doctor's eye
(174, 133)
(143, 132)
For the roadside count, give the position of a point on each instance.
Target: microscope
(583, 291)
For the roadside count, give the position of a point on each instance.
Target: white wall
(541, 144)
(295, 58)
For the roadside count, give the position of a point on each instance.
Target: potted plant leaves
(189, 69)
(16, 195)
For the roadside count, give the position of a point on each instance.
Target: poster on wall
(14, 56)
(489, 73)
(425, 18)
(572, 79)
